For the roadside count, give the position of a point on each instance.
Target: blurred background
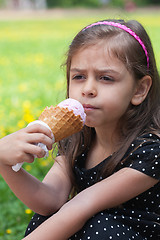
(43, 4)
(34, 37)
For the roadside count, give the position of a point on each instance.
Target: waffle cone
(61, 121)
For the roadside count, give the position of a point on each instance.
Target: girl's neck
(103, 145)
(106, 138)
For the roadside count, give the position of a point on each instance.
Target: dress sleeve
(145, 158)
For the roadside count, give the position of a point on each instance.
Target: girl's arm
(110, 192)
(42, 197)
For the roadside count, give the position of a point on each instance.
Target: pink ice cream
(74, 105)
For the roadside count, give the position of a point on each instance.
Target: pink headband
(118, 25)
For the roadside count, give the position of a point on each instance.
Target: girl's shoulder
(150, 137)
(145, 141)
(144, 155)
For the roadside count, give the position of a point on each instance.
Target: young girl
(112, 167)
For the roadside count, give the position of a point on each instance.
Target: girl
(113, 165)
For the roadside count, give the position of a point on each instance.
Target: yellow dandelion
(28, 168)
(21, 124)
(28, 117)
(2, 132)
(28, 211)
(44, 163)
(8, 231)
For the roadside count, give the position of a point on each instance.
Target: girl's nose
(89, 89)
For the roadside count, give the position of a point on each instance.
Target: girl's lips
(88, 107)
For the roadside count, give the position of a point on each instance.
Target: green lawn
(31, 77)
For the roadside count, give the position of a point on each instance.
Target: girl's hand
(20, 146)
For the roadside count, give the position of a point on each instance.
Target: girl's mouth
(88, 107)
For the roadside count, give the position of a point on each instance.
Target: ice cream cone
(62, 121)
(65, 119)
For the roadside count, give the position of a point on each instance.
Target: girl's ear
(141, 90)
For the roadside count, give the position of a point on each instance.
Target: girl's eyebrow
(77, 70)
(107, 70)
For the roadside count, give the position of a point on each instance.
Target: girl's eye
(106, 78)
(78, 77)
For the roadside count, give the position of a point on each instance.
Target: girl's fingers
(38, 128)
(40, 138)
(29, 158)
(28, 154)
(31, 150)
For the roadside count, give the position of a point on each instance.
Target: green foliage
(2, 3)
(72, 3)
(117, 3)
(31, 53)
(121, 3)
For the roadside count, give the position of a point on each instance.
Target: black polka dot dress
(139, 218)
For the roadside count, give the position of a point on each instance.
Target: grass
(31, 53)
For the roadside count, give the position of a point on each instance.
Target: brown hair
(137, 119)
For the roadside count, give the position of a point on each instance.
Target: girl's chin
(90, 124)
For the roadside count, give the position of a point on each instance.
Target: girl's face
(102, 84)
